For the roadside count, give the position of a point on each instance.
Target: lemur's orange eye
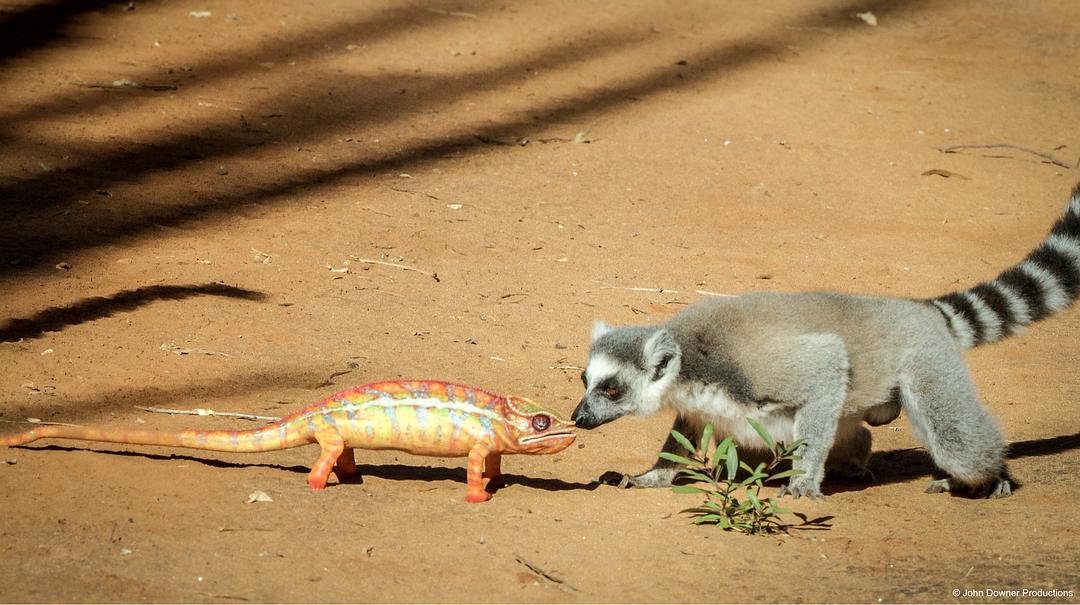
(612, 392)
(541, 422)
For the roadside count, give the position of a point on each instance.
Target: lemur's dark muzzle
(583, 418)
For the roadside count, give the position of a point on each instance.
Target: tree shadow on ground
(30, 28)
(97, 307)
(193, 393)
(33, 237)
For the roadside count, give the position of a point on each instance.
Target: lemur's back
(879, 333)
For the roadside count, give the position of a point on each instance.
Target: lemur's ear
(599, 328)
(661, 354)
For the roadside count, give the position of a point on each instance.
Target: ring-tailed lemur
(815, 366)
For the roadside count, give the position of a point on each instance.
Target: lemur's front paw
(620, 480)
(657, 477)
(801, 486)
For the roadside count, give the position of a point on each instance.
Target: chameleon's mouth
(557, 435)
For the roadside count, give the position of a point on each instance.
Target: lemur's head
(627, 372)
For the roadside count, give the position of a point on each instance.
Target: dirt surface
(550, 163)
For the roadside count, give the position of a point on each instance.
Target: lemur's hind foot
(1000, 488)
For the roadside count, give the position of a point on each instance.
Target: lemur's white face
(609, 392)
(626, 374)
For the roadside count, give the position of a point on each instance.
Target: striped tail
(275, 436)
(1045, 282)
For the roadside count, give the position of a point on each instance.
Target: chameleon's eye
(612, 392)
(541, 422)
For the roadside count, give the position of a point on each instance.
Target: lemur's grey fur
(816, 366)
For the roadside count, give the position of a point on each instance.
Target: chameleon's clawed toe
(474, 497)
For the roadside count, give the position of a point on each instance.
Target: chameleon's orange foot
(479, 496)
(316, 481)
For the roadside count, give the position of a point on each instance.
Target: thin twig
(543, 574)
(203, 412)
(410, 191)
(189, 351)
(369, 261)
(380, 212)
(1046, 156)
(463, 15)
(608, 286)
(36, 421)
(710, 293)
(122, 84)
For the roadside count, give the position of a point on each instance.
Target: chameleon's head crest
(537, 430)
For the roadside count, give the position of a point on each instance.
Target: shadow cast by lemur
(909, 464)
(98, 307)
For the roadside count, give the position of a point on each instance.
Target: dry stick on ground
(369, 261)
(607, 286)
(122, 84)
(202, 412)
(543, 574)
(1046, 156)
(36, 421)
(410, 191)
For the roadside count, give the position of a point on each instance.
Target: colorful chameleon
(428, 418)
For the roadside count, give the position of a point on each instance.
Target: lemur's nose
(582, 417)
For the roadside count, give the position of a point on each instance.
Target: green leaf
(723, 447)
(775, 509)
(706, 435)
(689, 489)
(683, 441)
(791, 472)
(732, 463)
(695, 475)
(760, 430)
(751, 480)
(750, 495)
(678, 458)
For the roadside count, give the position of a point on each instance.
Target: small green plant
(731, 502)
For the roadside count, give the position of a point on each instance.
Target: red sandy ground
(731, 147)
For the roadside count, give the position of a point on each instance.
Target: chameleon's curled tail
(275, 436)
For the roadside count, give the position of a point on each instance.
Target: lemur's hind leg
(850, 452)
(962, 438)
(663, 472)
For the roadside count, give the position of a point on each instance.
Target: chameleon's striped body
(429, 418)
